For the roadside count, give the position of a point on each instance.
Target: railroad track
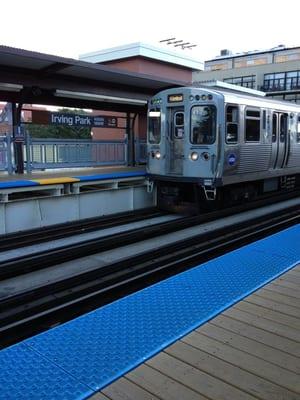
(43, 259)
(39, 235)
(55, 302)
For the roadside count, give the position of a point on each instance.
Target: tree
(60, 131)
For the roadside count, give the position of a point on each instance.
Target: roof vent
(225, 52)
(280, 46)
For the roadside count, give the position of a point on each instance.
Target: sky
(69, 28)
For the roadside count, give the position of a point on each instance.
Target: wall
(153, 67)
(37, 212)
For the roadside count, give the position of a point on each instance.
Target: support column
(18, 137)
(130, 141)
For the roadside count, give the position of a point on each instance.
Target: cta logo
(232, 159)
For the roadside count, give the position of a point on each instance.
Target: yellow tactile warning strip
(52, 181)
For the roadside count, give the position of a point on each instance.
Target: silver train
(216, 145)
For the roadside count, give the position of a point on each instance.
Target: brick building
(143, 59)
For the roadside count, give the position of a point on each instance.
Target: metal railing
(141, 151)
(69, 153)
(41, 153)
(282, 84)
(6, 154)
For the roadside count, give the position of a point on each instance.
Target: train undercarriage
(192, 198)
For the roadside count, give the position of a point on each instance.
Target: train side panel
(207, 145)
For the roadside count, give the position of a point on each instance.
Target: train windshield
(154, 126)
(203, 124)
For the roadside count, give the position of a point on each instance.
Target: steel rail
(38, 235)
(44, 259)
(63, 300)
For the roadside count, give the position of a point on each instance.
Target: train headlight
(158, 155)
(194, 156)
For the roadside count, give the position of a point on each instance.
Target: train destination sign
(83, 120)
(175, 98)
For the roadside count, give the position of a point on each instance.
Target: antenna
(178, 43)
(182, 44)
(166, 40)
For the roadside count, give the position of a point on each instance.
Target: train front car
(184, 147)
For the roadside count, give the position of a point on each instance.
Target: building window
(286, 57)
(245, 81)
(252, 125)
(293, 80)
(274, 82)
(218, 67)
(282, 81)
(246, 62)
(294, 97)
(257, 61)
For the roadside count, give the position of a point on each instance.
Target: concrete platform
(64, 175)
(51, 197)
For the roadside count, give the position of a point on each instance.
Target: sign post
(18, 135)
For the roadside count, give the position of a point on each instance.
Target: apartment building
(275, 71)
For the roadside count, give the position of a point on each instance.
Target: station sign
(83, 120)
(42, 117)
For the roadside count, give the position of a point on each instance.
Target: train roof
(216, 84)
(250, 97)
(238, 94)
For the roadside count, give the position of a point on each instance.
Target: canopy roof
(37, 78)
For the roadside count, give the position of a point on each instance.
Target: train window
(179, 119)
(264, 119)
(232, 119)
(253, 113)
(203, 124)
(252, 126)
(298, 129)
(274, 128)
(283, 127)
(154, 127)
(179, 125)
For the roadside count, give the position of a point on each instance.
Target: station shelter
(115, 84)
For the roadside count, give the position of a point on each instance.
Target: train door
(280, 140)
(175, 155)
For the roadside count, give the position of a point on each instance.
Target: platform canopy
(37, 78)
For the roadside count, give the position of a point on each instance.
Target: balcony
(285, 88)
(285, 85)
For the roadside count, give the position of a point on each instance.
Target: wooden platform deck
(250, 351)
